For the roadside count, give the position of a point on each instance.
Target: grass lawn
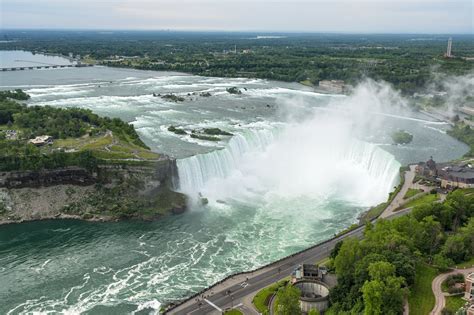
(421, 298)
(411, 192)
(307, 83)
(107, 147)
(375, 211)
(263, 296)
(324, 261)
(233, 312)
(275, 304)
(453, 303)
(468, 191)
(466, 264)
(429, 198)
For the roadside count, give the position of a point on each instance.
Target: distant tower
(448, 51)
(235, 49)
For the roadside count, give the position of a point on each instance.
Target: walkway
(398, 200)
(439, 294)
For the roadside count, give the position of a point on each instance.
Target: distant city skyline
(340, 16)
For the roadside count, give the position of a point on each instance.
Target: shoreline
(60, 217)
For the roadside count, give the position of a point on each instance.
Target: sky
(346, 16)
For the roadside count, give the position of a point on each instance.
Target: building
(337, 86)
(448, 176)
(461, 176)
(11, 135)
(310, 280)
(469, 287)
(314, 295)
(427, 169)
(41, 140)
(311, 272)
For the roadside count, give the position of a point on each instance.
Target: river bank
(112, 193)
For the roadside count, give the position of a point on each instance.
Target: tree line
(403, 60)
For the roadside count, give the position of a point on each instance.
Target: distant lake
(20, 58)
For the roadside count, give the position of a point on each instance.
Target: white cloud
(420, 16)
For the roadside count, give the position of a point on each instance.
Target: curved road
(436, 287)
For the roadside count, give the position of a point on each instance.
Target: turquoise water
(300, 167)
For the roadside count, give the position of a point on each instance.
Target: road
(436, 287)
(256, 280)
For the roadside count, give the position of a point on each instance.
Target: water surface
(298, 169)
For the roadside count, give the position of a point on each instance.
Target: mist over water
(299, 167)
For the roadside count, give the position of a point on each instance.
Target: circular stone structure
(314, 295)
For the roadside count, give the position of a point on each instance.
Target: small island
(402, 137)
(173, 98)
(72, 163)
(233, 90)
(177, 131)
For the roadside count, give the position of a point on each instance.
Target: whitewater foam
(258, 161)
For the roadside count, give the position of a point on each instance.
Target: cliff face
(112, 192)
(46, 178)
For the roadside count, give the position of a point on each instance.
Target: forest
(409, 62)
(376, 274)
(464, 133)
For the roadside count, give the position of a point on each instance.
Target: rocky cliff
(110, 192)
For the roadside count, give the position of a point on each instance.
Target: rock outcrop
(111, 192)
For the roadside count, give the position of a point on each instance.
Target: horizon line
(250, 31)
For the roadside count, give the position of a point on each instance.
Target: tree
(349, 253)
(384, 293)
(335, 250)
(461, 207)
(455, 248)
(431, 236)
(289, 301)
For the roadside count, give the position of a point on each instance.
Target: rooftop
(460, 171)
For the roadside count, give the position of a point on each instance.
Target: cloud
(415, 16)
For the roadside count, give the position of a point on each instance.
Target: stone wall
(314, 295)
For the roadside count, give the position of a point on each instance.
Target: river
(299, 167)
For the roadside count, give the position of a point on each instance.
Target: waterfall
(380, 164)
(352, 168)
(196, 170)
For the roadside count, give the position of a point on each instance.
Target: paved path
(398, 200)
(436, 287)
(255, 281)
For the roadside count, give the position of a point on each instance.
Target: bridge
(42, 65)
